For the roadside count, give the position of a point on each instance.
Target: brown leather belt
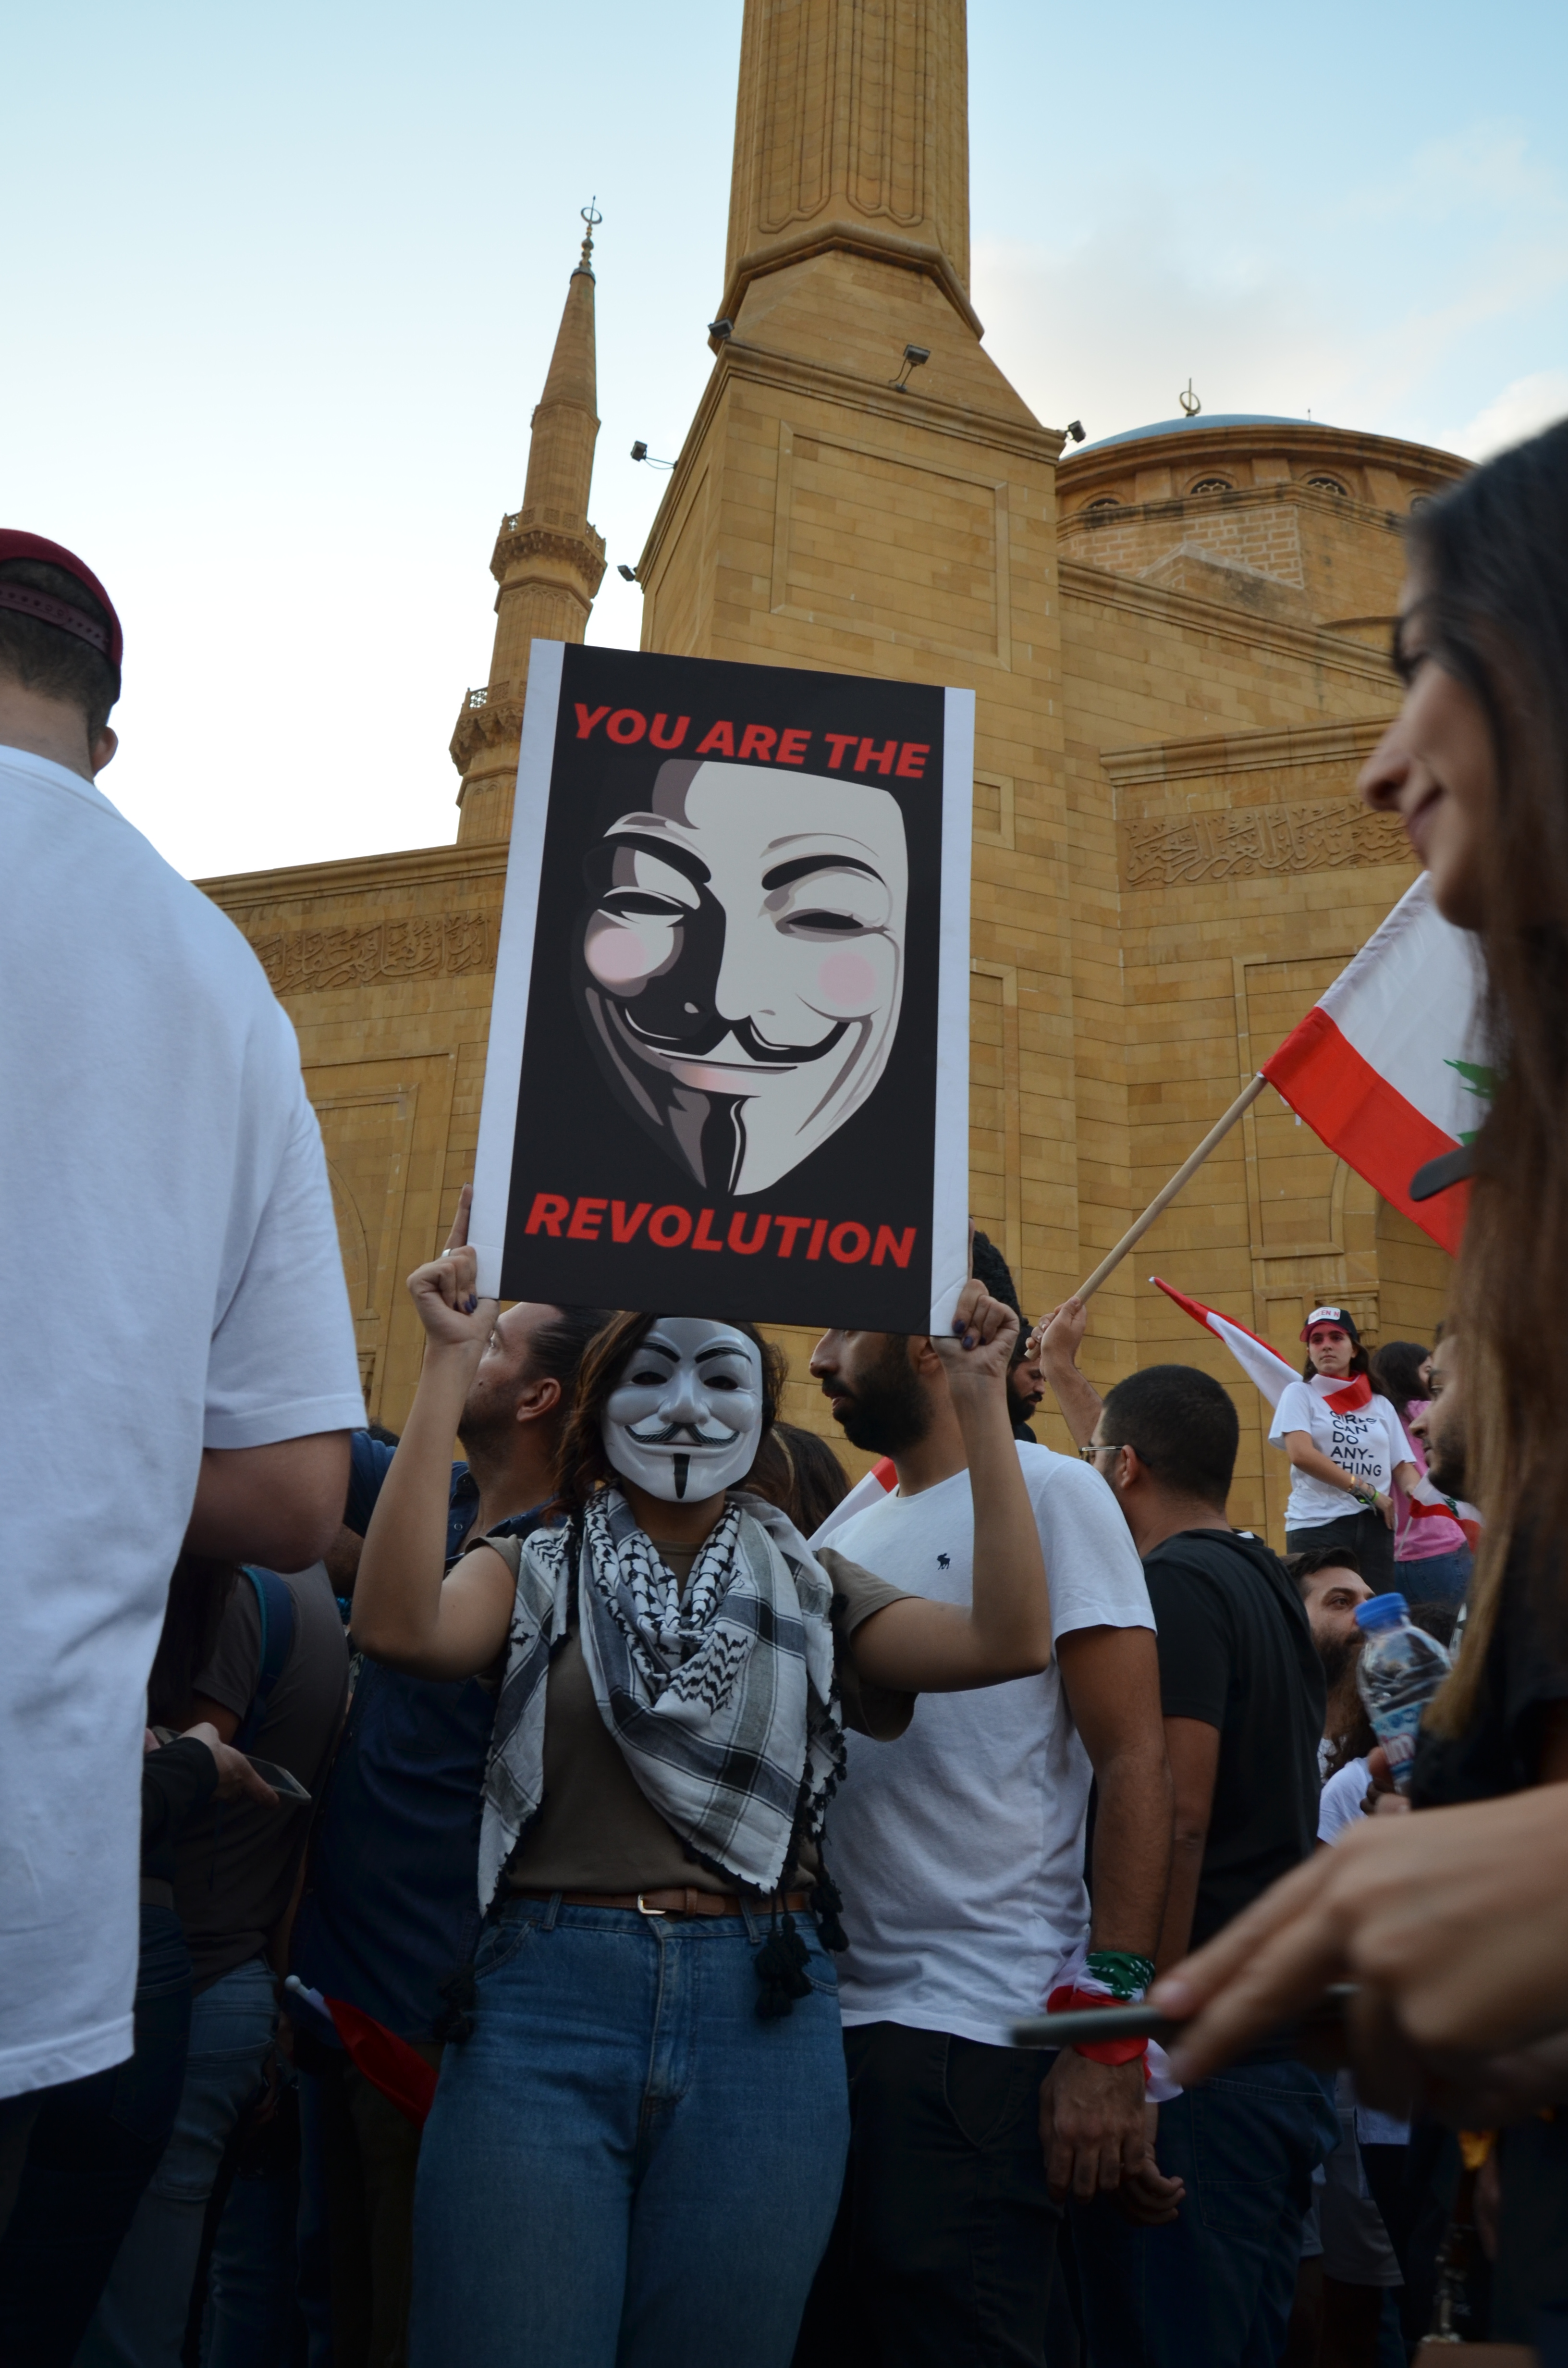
(678, 1903)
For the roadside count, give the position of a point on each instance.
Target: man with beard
(961, 1859)
(1330, 1584)
(389, 1914)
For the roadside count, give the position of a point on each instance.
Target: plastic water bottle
(1399, 1670)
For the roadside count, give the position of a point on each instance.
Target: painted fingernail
(469, 1304)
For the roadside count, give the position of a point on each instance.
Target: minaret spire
(548, 562)
(851, 131)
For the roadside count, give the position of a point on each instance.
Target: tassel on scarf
(781, 1971)
(827, 1907)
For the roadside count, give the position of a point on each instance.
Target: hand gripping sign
(728, 1071)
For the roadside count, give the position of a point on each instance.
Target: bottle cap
(1381, 1612)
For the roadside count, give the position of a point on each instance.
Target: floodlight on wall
(629, 573)
(640, 452)
(1075, 429)
(723, 330)
(913, 357)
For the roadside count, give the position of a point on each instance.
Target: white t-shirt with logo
(1368, 1444)
(959, 1848)
(173, 1281)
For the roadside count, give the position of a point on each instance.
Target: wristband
(1098, 2051)
(1125, 1974)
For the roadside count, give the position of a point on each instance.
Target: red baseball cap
(29, 602)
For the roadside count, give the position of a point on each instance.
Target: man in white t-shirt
(174, 1270)
(960, 1853)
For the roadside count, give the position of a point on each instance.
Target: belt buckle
(659, 1912)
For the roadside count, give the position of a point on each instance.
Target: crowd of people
(576, 1905)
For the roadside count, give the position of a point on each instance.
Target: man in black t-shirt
(1204, 2277)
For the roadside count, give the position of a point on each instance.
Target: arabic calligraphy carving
(445, 947)
(1234, 843)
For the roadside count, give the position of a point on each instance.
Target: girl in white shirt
(1347, 1448)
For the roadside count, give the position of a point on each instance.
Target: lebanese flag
(1382, 1068)
(399, 2071)
(1257, 1360)
(879, 1482)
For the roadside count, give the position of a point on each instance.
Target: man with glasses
(1208, 2279)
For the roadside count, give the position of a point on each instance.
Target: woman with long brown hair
(1456, 1919)
(635, 2156)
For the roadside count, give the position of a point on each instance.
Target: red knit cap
(29, 602)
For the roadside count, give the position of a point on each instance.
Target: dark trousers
(1530, 2277)
(942, 2253)
(1368, 1536)
(369, 2154)
(1213, 2288)
(94, 2144)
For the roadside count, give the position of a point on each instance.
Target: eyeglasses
(1087, 1454)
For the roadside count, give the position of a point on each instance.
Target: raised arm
(1004, 1632)
(1057, 1339)
(403, 1613)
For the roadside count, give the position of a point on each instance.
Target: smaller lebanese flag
(1257, 1360)
(879, 1482)
(399, 2071)
(1381, 1067)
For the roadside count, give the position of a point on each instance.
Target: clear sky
(279, 286)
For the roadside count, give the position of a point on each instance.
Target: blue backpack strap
(275, 1606)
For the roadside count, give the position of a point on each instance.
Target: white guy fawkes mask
(741, 962)
(684, 1418)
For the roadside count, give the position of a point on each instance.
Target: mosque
(1178, 642)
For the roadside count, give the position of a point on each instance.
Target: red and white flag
(1257, 1360)
(1384, 1068)
(878, 1482)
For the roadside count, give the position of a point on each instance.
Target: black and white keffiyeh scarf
(723, 1701)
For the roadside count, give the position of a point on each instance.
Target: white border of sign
(513, 968)
(950, 1181)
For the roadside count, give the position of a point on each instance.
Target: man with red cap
(178, 1324)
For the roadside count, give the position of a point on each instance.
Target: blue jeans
(1213, 2289)
(625, 2167)
(95, 2145)
(1436, 1579)
(140, 2318)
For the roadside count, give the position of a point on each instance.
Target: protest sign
(728, 1071)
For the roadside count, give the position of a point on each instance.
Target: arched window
(1211, 486)
(1329, 486)
(1102, 502)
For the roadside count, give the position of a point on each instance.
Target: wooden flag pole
(1167, 1193)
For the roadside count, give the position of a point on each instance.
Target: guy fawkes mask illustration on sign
(741, 962)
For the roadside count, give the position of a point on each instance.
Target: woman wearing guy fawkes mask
(635, 2156)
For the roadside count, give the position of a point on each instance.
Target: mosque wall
(1178, 647)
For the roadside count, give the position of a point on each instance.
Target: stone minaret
(548, 561)
(862, 490)
(851, 132)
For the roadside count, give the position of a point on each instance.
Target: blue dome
(1201, 420)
